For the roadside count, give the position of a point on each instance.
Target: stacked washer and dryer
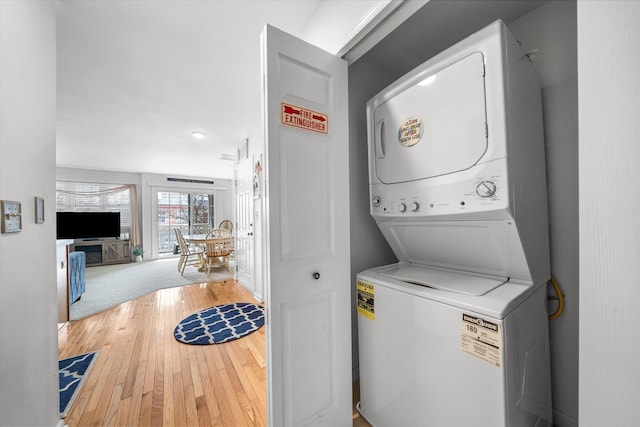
(456, 333)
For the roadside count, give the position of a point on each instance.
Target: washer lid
(460, 282)
(435, 127)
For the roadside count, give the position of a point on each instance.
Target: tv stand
(103, 251)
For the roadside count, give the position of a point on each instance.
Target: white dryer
(456, 333)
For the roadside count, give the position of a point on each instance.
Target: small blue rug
(219, 324)
(72, 373)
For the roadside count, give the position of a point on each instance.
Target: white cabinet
(62, 278)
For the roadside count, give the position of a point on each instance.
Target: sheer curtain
(134, 234)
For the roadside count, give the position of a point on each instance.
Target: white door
(244, 224)
(307, 234)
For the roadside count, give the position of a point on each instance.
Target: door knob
(316, 275)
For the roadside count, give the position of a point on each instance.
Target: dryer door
(435, 127)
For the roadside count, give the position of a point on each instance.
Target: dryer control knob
(402, 207)
(415, 206)
(486, 189)
(375, 201)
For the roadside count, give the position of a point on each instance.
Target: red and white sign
(299, 117)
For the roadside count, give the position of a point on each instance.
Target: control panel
(442, 196)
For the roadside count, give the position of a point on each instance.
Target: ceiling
(135, 78)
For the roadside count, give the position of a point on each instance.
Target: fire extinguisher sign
(302, 118)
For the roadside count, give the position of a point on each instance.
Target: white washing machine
(456, 333)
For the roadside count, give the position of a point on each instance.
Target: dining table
(196, 239)
(201, 241)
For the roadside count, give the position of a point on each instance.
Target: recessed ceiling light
(198, 135)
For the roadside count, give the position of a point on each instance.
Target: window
(191, 213)
(96, 197)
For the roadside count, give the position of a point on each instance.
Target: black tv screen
(87, 225)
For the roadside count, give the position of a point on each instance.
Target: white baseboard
(258, 297)
(61, 423)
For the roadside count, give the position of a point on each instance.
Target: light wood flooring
(144, 377)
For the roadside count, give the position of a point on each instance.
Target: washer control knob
(402, 207)
(414, 206)
(375, 201)
(486, 189)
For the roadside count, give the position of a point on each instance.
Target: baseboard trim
(258, 297)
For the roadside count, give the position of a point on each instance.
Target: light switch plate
(11, 221)
(39, 210)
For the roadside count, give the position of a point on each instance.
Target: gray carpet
(110, 285)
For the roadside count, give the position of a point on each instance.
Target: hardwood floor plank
(221, 400)
(124, 411)
(208, 388)
(168, 409)
(95, 383)
(237, 412)
(196, 377)
(132, 372)
(178, 400)
(150, 352)
(114, 404)
(204, 418)
(145, 411)
(157, 390)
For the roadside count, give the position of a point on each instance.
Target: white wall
(88, 175)
(609, 101)
(28, 308)
(552, 30)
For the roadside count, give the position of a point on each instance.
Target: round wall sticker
(410, 132)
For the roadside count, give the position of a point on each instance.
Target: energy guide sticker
(366, 299)
(482, 339)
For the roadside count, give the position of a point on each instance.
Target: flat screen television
(87, 225)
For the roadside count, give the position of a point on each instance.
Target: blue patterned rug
(72, 373)
(219, 324)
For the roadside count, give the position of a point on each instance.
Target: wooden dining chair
(218, 244)
(188, 256)
(227, 225)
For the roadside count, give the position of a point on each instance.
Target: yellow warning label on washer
(482, 339)
(366, 299)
